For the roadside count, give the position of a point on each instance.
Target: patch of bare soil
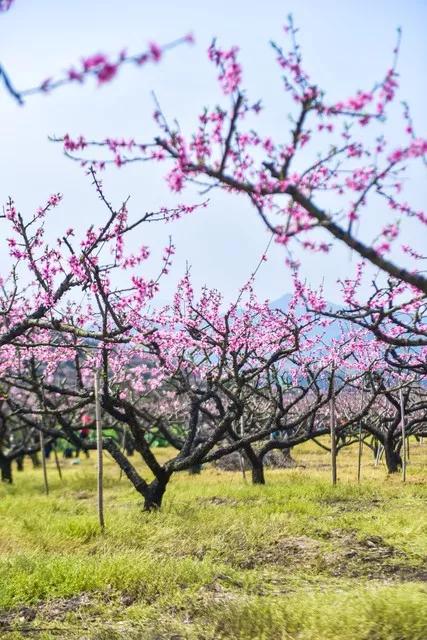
(53, 610)
(342, 505)
(58, 609)
(82, 495)
(289, 552)
(219, 501)
(371, 558)
(216, 592)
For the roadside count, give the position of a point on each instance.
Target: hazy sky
(347, 45)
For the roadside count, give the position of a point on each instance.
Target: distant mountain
(331, 332)
(283, 303)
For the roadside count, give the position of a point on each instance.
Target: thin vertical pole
(123, 449)
(359, 457)
(43, 455)
(100, 467)
(58, 465)
(242, 461)
(42, 450)
(379, 453)
(333, 439)
(402, 421)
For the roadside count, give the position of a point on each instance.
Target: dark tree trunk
(6, 470)
(35, 460)
(393, 459)
(195, 469)
(153, 496)
(256, 464)
(288, 460)
(257, 468)
(375, 446)
(129, 444)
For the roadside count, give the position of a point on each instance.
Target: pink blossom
(155, 51)
(106, 72)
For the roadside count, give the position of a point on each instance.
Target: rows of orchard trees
(208, 380)
(213, 380)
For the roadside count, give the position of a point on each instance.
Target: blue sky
(347, 45)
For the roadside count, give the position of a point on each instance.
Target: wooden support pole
(43, 455)
(333, 439)
(359, 456)
(360, 449)
(100, 467)
(380, 450)
(241, 458)
(42, 449)
(402, 422)
(58, 464)
(123, 450)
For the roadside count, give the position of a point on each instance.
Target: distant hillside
(333, 331)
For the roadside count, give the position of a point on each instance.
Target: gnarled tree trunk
(257, 469)
(153, 494)
(256, 464)
(392, 456)
(6, 469)
(35, 460)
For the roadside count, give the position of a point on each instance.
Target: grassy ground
(296, 559)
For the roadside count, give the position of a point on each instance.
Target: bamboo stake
(333, 440)
(100, 467)
(359, 456)
(402, 419)
(123, 450)
(43, 455)
(42, 449)
(380, 451)
(242, 461)
(58, 465)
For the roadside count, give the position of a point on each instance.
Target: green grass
(296, 559)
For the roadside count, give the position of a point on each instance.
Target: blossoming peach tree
(214, 379)
(248, 378)
(337, 178)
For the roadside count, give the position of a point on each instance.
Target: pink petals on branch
(230, 75)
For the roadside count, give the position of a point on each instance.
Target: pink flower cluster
(230, 75)
(5, 5)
